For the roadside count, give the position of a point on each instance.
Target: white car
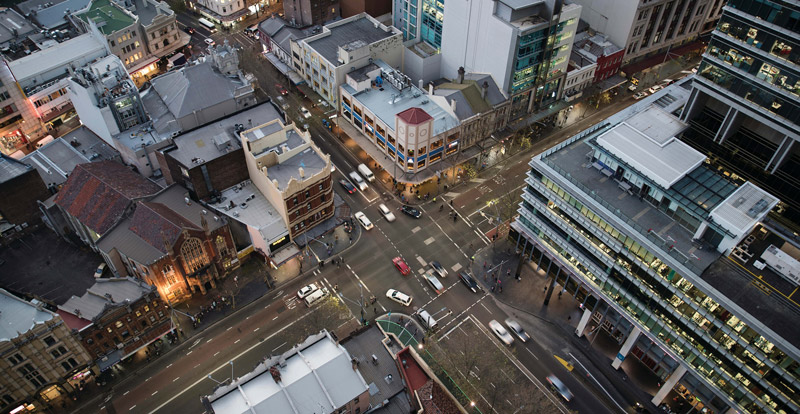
(362, 218)
(398, 297)
(515, 327)
(305, 112)
(307, 290)
(388, 215)
(640, 95)
(99, 272)
(436, 285)
(209, 41)
(501, 332)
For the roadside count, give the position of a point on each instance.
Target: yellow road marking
(760, 281)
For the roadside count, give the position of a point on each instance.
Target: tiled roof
(414, 116)
(153, 222)
(98, 193)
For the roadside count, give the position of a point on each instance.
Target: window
(32, 375)
(169, 275)
(15, 359)
(49, 341)
(193, 254)
(222, 247)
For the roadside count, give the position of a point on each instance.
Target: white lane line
(176, 378)
(225, 365)
(255, 330)
(236, 341)
(126, 392)
(274, 318)
(196, 366)
(217, 353)
(276, 348)
(229, 328)
(169, 365)
(532, 354)
(132, 407)
(189, 353)
(148, 379)
(453, 329)
(154, 393)
(487, 309)
(209, 340)
(596, 381)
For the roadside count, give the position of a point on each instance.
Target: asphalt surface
(177, 380)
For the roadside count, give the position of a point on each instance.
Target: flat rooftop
(109, 18)
(13, 26)
(55, 57)
(353, 34)
(362, 347)
(18, 316)
(56, 159)
(245, 204)
(219, 138)
(387, 101)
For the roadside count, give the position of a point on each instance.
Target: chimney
(302, 172)
(484, 90)
(461, 74)
(420, 84)
(453, 104)
(430, 88)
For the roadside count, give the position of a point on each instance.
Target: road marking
(148, 379)
(176, 378)
(254, 330)
(196, 366)
(236, 341)
(154, 393)
(276, 348)
(132, 407)
(456, 267)
(453, 329)
(225, 365)
(421, 260)
(229, 328)
(532, 354)
(126, 392)
(596, 381)
(209, 340)
(487, 309)
(217, 353)
(416, 229)
(274, 318)
(169, 365)
(189, 353)
(429, 240)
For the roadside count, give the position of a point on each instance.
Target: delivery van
(316, 296)
(366, 172)
(427, 320)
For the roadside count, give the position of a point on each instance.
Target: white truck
(366, 172)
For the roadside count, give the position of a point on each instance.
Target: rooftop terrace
(108, 17)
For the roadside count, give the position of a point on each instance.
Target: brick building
(97, 195)
(21, 187)
(40, 359)
(597, 48)
(115, 318)
(172, 243)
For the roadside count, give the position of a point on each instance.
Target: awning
(284, 254)
(284, 68)
(109, 360)
(144, 64)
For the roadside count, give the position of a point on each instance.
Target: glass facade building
(432, 20)
(640, 255)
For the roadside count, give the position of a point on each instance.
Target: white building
(224, 12)
(510, 39)
(580, 75)
(352, 43)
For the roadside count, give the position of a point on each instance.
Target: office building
(525, 46)
(743, 112)
(42, 362)
(420, 21)
(647, 27)
(303, 13)
(374, 8)
(660, 250)
(115, 318)
(317, 375)
(344, 45)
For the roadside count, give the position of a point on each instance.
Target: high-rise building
(669, 258)
(309, 12)
(647, 27)
(525, 46)
(420, 20)
(744, 108)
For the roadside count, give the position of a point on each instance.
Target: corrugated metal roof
(106, 293)
(18, 316)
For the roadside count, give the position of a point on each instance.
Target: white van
(426, 320)
(360, 183)
(315, 296)
(366, 172)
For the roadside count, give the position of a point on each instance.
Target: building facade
(525, 47)
(324, 59)
(646, 27)
(659, 281)
(292, 173)
(420, 20)
(115, 318)
(21, 187)
(744, 107)
(159, 28)
(41, 360)
(303, 13)
(221, 11)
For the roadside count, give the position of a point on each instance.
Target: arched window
(169, 274)
(222, 248)
(193, 255)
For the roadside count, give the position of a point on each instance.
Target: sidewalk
(523, 298)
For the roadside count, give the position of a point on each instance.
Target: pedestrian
(455, 217)
(441, 207)
(341, 259)
(339, 263)
(484, 264)
(375, 310)
(492, 288)
(569, 317)
(559, 294)
(351, 239)
(336, 239)
(451, 201)
(544, 290)
(508, 272)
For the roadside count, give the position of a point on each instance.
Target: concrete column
(668, 385)
(587, 315)
(626, 347)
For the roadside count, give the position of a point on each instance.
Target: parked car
(327, 124)
(189, 30)
(305, 112)
(501, 332)
(401, 265)
(362, 218)
(639, 95)
(559, 387)
(281, 89)
(362, 185)
(434, 282)
(209, 41)
(516, 328)
(306, 290)
(411, 211)
(655, 88)
(388, 215)
(438, 268)
(347, 186)
(468, 281)
(398, 297)
(99, 272)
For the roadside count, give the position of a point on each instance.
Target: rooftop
(52, 16)
(245, 204)
(468, 94)
(358, 31)
(432, 395)
(105, 293)
(11, 168)
(361, 347)
(387, 101)
(13, 26)
(218, 138)
(744, 208)
(594, 46)
(18, 316)
(161, 218)
(147, 11)
(58, 56)
(315, 375)
(98, 193)
(282, 33)
(107, 15)
(56, 160)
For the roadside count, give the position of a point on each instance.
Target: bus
(207, 24)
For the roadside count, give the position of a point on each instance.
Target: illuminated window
(169, 274)
(193, 254)
(222, 247)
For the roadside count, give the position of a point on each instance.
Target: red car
(401, 265)
(281, 89)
